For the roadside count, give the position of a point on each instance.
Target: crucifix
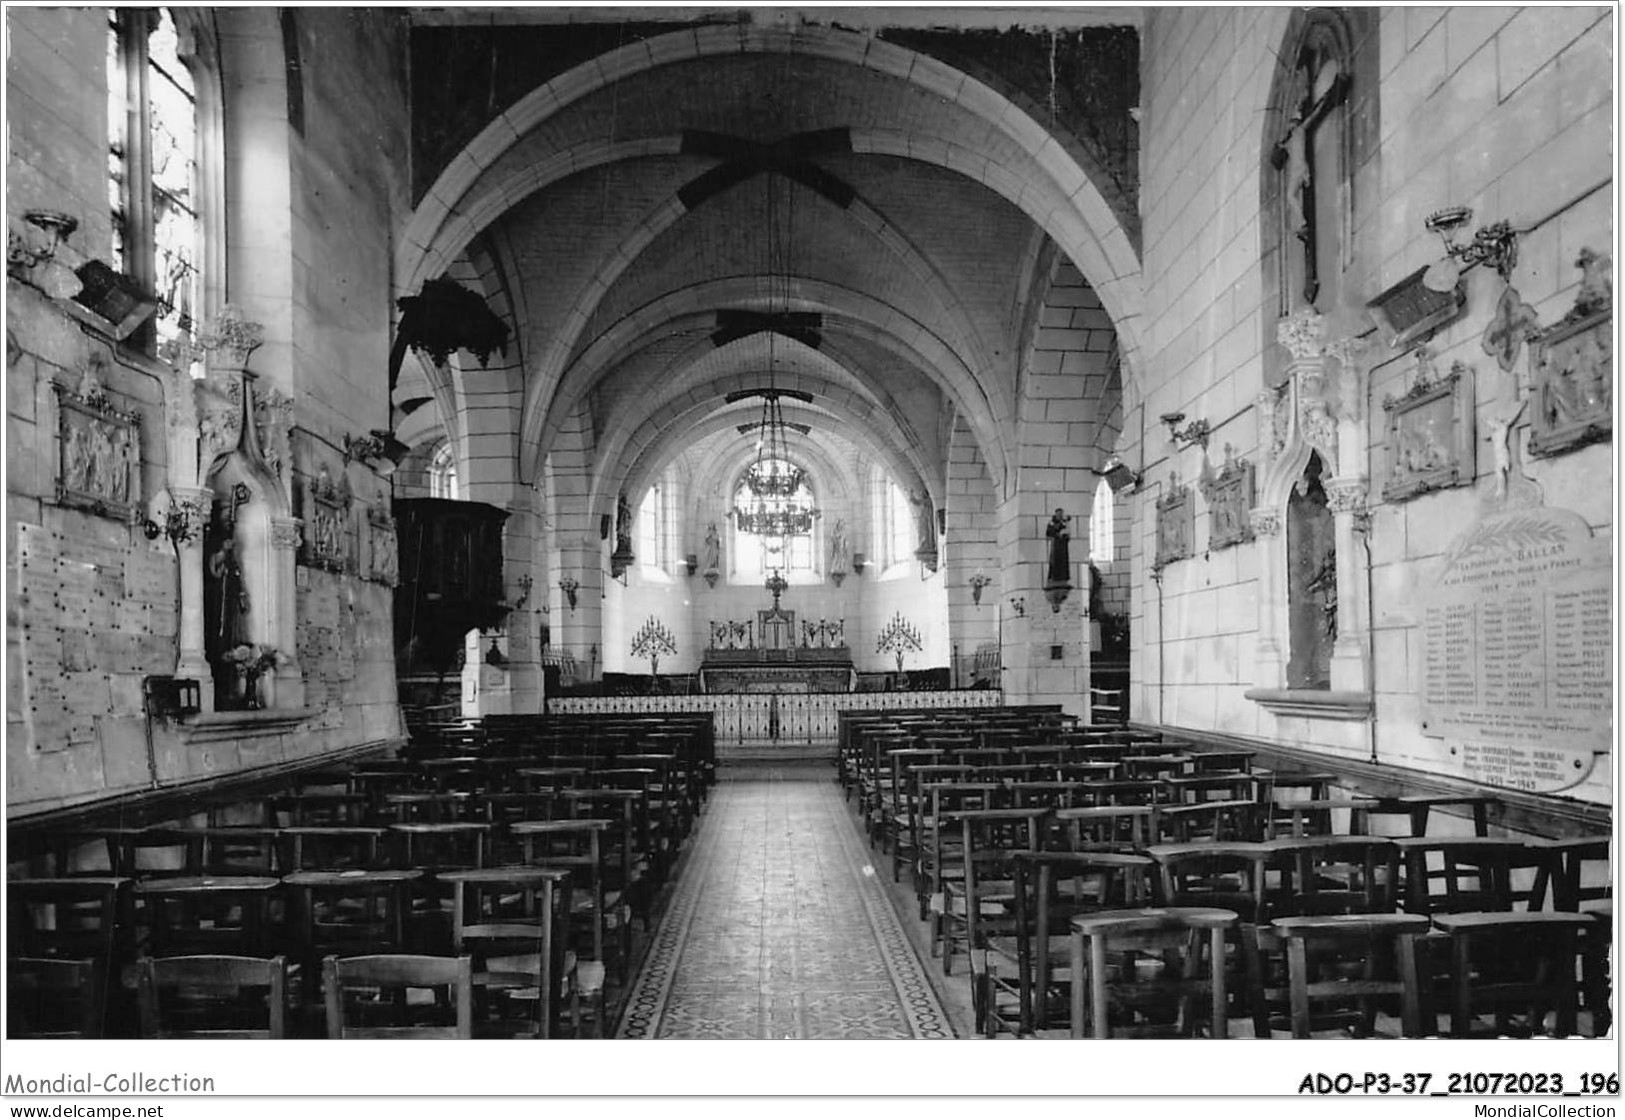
(1302, 160)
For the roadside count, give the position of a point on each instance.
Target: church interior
(812, 523)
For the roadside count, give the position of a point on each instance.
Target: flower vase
(252, 689)
(239, 688)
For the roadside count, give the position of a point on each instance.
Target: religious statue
(838, 553)
(1060, 561)
(711, 559)
(925, 530)
(229, 600)
(623, 525)
(1500, 444)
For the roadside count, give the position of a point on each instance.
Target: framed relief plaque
(98, 460)
(1431, 443)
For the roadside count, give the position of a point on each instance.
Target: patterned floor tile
(778, 928)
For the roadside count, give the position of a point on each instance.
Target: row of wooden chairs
(235, 997)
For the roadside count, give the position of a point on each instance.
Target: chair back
(212, 996)
(55, 998)
(367, 997)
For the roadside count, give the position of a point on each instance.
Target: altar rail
(785, 718)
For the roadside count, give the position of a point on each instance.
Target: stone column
(288, 688)
(190, 512)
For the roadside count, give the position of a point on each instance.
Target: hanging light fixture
(776, 505)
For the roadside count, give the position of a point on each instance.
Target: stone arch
(1064, 202)
(862, 314)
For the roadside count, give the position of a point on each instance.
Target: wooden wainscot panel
(1431, 432)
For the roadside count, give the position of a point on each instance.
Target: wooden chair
(1109, 828)
(511, 922)
(941, 852)
(1050, 889)
(55, 997)
(981, 903)
(1477, 872)
(1515, 967)
(1166, 960)
(70, 918)
(577, 846)
(368, 997)
(212, 997)
(1217, 821)
(333, 848)
(207, 914)
(1346, 964)
(347, 913)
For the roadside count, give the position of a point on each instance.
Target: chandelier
(774, 489)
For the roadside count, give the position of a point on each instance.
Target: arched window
(153, 154)
(443, 473)
(1102, 525)
(756, 555)
(653, 535)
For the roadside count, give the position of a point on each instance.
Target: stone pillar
(190, 510)
(1346, 498)
(288, 688)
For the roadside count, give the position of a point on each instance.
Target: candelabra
(569, 587)
(652, 640)
(897, 637)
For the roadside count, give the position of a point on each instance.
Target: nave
(998, 871)
(779, 926)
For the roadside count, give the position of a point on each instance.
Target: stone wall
(93, 604)
(1505, 110)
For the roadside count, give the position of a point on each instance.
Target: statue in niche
(1311, 581)
(1060, 560)
(229, 598)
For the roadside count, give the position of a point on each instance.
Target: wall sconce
(1118, 476)
(176, 525)
(35, 245)
(524, 583)
(569, 587)
(378, 448)
(977, 582)
(692, 563)
(1019, 605)
(1194, 432)
(858, 561)
(1495, 245)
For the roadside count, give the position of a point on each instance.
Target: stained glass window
(160, 250)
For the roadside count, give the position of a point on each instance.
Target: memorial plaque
(1518, 650)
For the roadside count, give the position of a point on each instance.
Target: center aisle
(779, 928)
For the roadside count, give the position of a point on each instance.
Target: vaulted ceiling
(672, 205)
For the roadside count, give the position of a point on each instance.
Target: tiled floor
(779, 927)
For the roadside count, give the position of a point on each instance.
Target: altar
(778, 670)
(761, 655)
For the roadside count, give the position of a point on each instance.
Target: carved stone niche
(98, 461)
(326, 515)
(1176, 525)
(1573, 368)
(1431, 434)
(1229, 495)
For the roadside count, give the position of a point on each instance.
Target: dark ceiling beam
(790, 157)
